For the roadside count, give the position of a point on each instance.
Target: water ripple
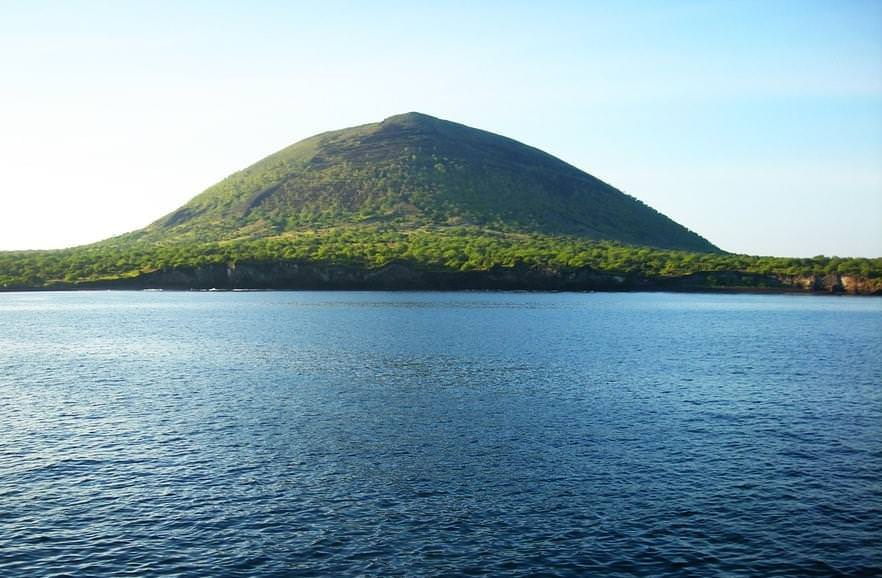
(323, 434)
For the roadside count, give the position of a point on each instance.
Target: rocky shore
(401, 276)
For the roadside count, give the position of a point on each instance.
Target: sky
(756, 124)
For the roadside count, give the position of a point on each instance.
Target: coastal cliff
(294, 275)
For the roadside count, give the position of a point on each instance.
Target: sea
(189, 434)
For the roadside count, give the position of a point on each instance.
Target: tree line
(448, 248)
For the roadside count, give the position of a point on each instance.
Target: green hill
(415, 170)
(415, 202)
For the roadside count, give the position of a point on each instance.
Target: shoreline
(306, 276)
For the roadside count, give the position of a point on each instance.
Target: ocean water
(439, 434)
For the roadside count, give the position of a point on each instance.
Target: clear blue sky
(756, 124)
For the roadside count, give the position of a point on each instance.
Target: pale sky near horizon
(756, 124)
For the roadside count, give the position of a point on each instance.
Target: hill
(414, 170)
(415, 202)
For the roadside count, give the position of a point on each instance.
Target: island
(419, 203)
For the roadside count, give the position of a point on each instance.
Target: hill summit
(414, 170)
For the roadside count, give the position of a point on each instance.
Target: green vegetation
(413, 171)
(373, 246)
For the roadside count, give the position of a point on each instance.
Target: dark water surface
(338, 434)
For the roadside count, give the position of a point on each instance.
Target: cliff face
(733, 280)
(860, 285)
(401, 276)
(395, 276)
(834, 283)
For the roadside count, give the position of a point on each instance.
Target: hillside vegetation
(372, 246)
(412, 171)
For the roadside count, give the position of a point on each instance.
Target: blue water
(339, 434)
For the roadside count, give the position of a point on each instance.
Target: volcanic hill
(411, 171)
(416, 202)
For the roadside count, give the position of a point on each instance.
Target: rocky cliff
(402, 276)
